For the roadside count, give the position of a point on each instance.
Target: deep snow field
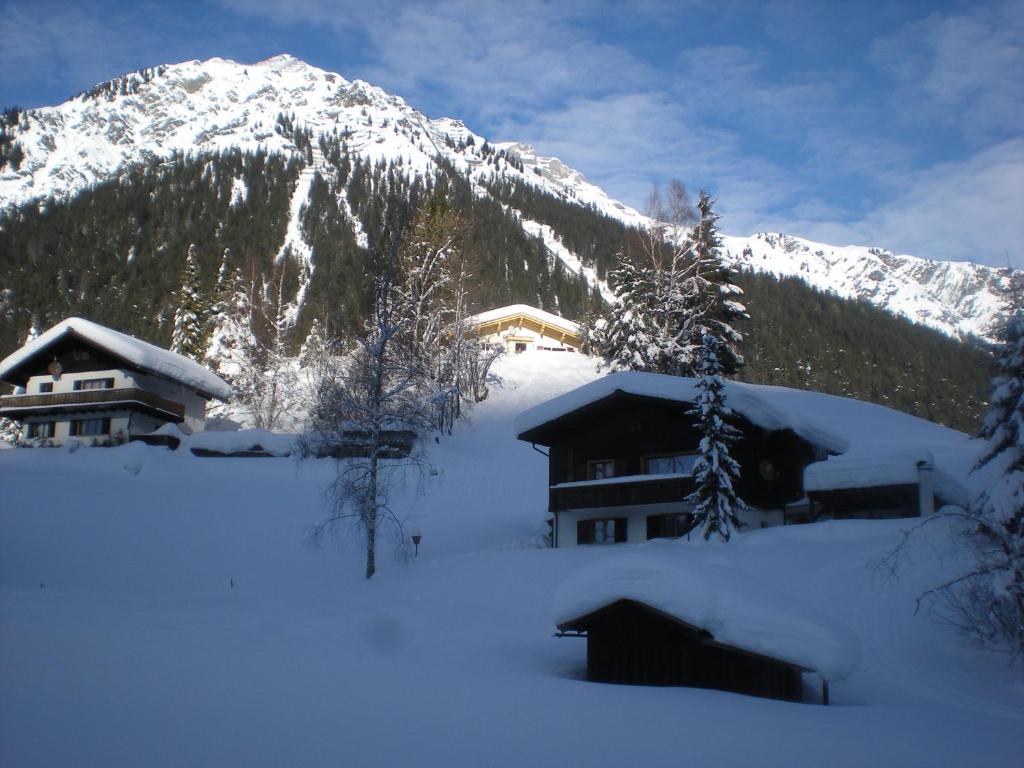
(124, 643)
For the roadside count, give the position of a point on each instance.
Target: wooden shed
(633, 643)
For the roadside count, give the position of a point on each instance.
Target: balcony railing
(90, 400)
(648, 490)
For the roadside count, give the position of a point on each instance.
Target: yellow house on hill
(522, 328)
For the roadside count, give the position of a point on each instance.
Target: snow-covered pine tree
(315, 347)
(629, 338)
(990, 600)
(189, 337)
(715, 503)
(248, 348)
(647, 327)
(711, 298)
(223, 284)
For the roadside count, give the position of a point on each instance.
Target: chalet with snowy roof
(80, 379)
(621, 452)
(522, 328)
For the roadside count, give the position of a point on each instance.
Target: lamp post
(416, 537)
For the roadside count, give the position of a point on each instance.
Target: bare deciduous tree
(361, 402)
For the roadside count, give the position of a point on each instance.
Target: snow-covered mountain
(215, 105)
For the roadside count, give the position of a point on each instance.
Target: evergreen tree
(315, 347)
(711, 298)
(715, 503)
(991, 600)
(189, 338)
(629, 338)
(249, 349)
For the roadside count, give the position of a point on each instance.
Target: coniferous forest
(116, 252)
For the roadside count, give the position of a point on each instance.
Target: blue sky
(899, 124)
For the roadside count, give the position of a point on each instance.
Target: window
(41, 430)
(671, 464)
(599, 470)
(605, 531)
(46, 386)
(94, 384)
(86, 427)
(669, 526)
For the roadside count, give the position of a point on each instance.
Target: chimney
(925, 487)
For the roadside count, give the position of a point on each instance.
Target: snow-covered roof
(897, 467)
(140, 354)
(738, 610)
(858, 430)
(623, 479)
(515, 310)
(274, 443)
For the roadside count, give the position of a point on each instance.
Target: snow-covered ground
(160, 609)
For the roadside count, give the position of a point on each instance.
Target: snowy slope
(214, 105)
(164, 610)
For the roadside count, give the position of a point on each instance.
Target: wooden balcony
(19, 406)
(642, 490)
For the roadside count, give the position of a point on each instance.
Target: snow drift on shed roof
(900, 467)
(146, 356)
(525, 309)
(735, 608)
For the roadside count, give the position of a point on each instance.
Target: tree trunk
(371, 517)
(371, 551)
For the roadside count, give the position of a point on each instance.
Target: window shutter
(584, 532)
(620, 529)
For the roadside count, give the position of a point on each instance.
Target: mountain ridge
(218, 104)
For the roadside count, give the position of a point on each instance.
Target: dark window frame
(76, 427)
(106, 381)
(34, 428)
(670, 525)
(45, 387)
(586, 530)
(592, 468)
(673, 455)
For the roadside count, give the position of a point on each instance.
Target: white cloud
(965, 69)
(785, 146)
(78, 44)
(965, 211)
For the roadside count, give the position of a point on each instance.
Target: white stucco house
(83, 380)
(522, 328)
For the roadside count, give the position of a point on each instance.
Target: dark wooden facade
(94, 400)
(74, 354)
(629, 642)
(628, 429)
(874, 503)
(620, 494)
